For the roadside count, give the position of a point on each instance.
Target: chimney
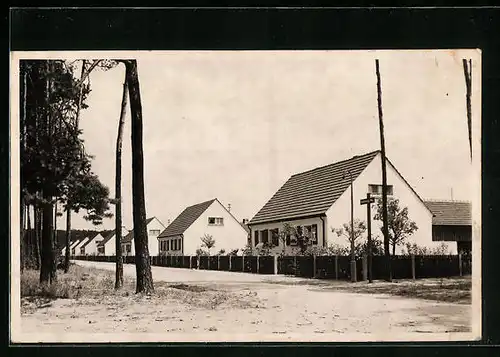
(168, 222)
(245, 221)
(229, 207)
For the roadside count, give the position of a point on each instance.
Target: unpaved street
(240, 304)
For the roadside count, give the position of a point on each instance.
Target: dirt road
(247, 307)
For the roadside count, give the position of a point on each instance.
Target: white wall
(77, 246)
(110, 245)
(153, 244)
(229, 236)
(289, 250)
(91, 248)
(73, 244)
(340, 212)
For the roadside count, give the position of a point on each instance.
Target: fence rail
(320, 267)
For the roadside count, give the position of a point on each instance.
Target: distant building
(107, 246)
(182, 236)
(90, 247)
(318, 201)
(452, 222)
(154, 228)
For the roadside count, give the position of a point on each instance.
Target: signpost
(368, 201)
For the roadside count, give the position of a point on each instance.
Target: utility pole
(368, 201)
(353, 256)
(384, 175)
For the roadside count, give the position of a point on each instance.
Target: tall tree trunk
(37, 235)
(384, 174)
(393, 248)
(468, 87)
(118, 190)
(22, 234)
(55, 254)
(80, 97)
(142, 264)
(30, 241)
(47, 251)
(68, 239)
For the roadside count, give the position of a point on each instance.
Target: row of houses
(315, 202)
(180, 237)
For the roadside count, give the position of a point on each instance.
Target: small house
(183, 235)
(154, 228)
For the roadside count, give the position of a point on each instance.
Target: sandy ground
(188, 302)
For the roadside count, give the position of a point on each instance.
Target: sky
(235, 125)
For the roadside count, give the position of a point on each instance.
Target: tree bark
(80, 97)
(142, 265)
(47, 251)
(118, 190)
(468, 87)
(384, 174)
(68, 239)
(31, 263)
(55, 255)
(22, 234)
(37, 216)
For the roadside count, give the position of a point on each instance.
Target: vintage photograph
(245, 196)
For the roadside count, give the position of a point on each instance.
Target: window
(377, 189)
(174, 244)
(264, 235)
(154, 232)
(168, 245)
(256, 236)
(312, 233)
(275, 237)
(215, 221)
(287, 239)
(129, 248)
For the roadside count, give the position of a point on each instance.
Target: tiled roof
(185, 219)
(92, 237)
(312, 192)
(130, 235)
(107, 237)
(450, 213)
(76, 234)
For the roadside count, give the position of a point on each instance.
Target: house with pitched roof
(90, 247)
(182, 236)
(154, 228)
(318, 201)
(107, 246)
(76, 248)
(452, 222)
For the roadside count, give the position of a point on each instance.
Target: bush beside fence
(322, 267)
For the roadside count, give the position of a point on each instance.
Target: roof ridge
(446, 201)
(337, 162)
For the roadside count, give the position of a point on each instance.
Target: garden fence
(321, 267)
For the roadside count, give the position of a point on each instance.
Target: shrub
(30, 286)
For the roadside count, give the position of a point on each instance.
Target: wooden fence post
(258, 264)
(243, 263)
(314, 266)
(275, 265)
(460, 263)
(230, 262)
(295, 265)
(336, 267)
(413, 275)
(365, 267)
(218, 262)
